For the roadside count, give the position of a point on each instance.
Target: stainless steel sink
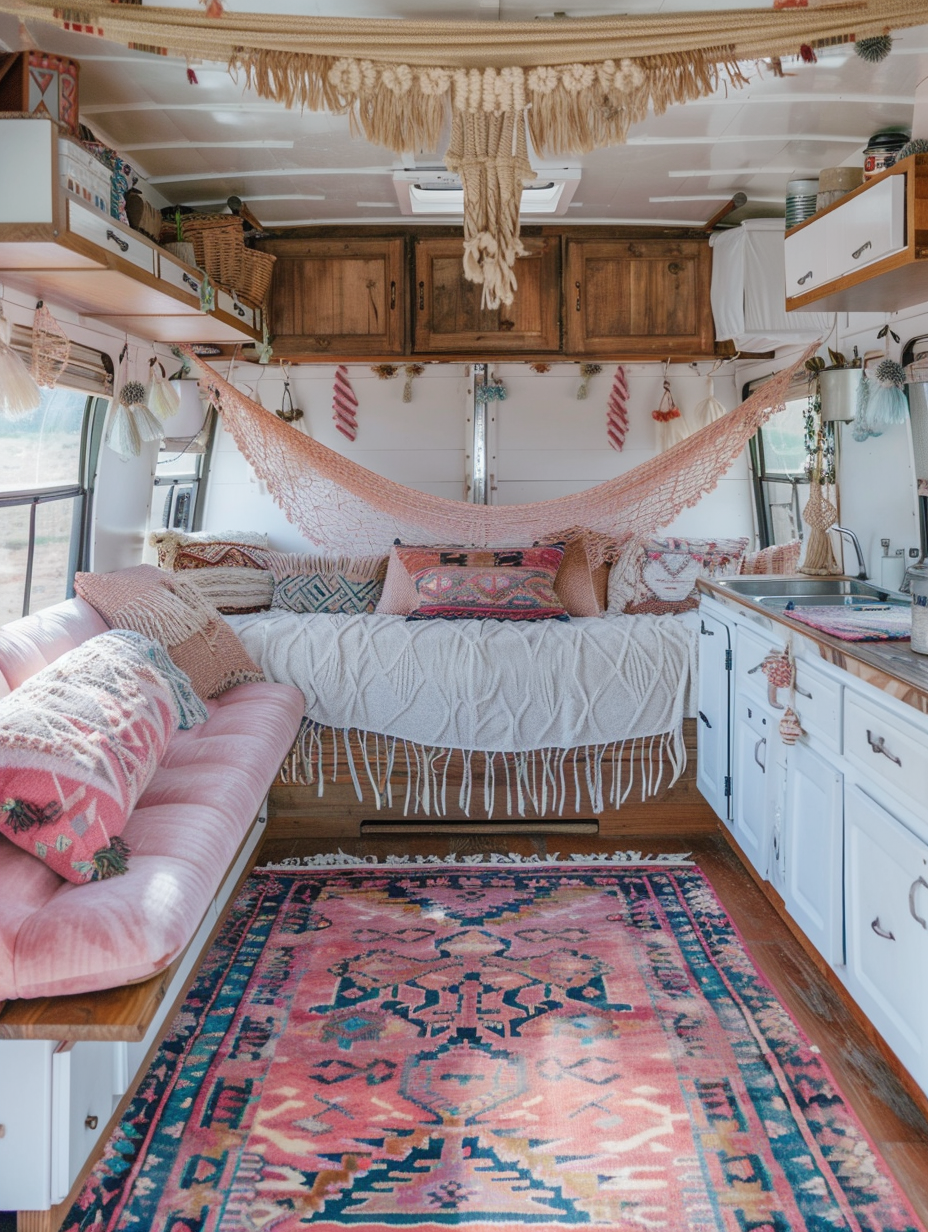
(778, 592)
(878, 599)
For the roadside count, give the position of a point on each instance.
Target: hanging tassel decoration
(162, 399)
(587, 371)
(807, 54)
(874, 50)
(710, 409)
(617, 410)
(862, 428)
(344, 404)
(19, 394)
(888, 403)
(790, 727)
(51, 348)
(133, 396)
(412, 371)
(671, 426)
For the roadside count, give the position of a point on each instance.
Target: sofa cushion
(79, 742)
(29, 644)
(58, 938)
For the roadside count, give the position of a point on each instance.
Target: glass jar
(918, 586)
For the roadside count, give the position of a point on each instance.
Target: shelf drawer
(868, 227)
(750, 651)
(234, 308)
(818, 704)
(806, 259)
(891, 750)
(180, 276)
(106, 233)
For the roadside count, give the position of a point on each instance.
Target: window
(43, 500)
(181, 471)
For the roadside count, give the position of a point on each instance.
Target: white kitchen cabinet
(754, 734)
(886, 919)
(888, 746)
(867, 228)
(806, 258)
(811, 848)
(713, 763)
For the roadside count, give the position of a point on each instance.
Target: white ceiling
(199, 144)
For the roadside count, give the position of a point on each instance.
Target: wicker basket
(217, 243)
(254, 279)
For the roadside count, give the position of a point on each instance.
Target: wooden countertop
(893, 667)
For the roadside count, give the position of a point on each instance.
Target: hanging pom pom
(344, 404)
(51, 348)
(710, 409)
(19, 394)
(671, 426)
(617, 410)
(874, 50)
(807, 54)
(192, 77)
(586, 372)
(888, 403)
(162, 399)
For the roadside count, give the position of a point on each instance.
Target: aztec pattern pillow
(322, 584)
(170, 610)
(191, 709)
(233, 589)
(482, 584)
(200, 546)
(781, 558)
(79, 743)
(658, 576)
(580, 590)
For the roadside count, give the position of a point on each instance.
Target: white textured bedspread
(489, 685)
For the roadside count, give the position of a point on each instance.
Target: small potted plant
(181, 249)
(837, 383)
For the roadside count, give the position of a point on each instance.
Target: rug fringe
(341, 859)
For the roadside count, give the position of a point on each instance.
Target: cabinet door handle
(804, 279)
(704, 719)
(192, 282)
(577, 305)
(913, 890)
(393, 295)
(703, 629)
(674, 268)
(880, 931)
(238, 307)
(878, 745)
(122, 245)
(858, 252)
(802, 692)
(421, 296)
(757, 748)
(91, 1122)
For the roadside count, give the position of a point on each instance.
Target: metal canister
(918, 587)
(881, 152)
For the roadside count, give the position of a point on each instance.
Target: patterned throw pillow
(190, 707)
(781, 558)
(233, 589)
(203, 548)
(79, 743)
(482, 584)
(170, 610)
(658, 576)
(321, 584)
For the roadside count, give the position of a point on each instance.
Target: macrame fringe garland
(541, 780)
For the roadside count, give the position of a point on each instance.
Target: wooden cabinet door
(446, 306)
(713, 755)
(646, 297)
(342, 298)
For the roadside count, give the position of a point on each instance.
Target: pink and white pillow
(658, 576)
(79, 743)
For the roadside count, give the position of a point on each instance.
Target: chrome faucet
(861, 567)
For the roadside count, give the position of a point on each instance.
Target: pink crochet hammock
(346, 508)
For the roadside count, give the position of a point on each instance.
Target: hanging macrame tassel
(710, 409)
(163, 400)
(862, 428)
(344, 404)
(819, 514)
(888, 403)
(132, 397)
(19, 394)
(412, 371)
(122, 435)
(671, 426)
(587, 371)
(617, 410)
(51, 348)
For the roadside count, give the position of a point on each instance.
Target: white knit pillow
(233, 589)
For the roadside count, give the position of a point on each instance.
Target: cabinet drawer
(750, 651)
(818, 703)
(180, 276)
(868, 227)
(229, 304)
(891, 751)
(806, 258)
(106, 233)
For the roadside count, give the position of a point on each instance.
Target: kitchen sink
(878, 598)
(810, 590)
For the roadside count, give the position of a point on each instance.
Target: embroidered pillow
(191, 709)
(482, 584)
(664, 572)
(200, 545)
(233, 589)
(79, 743)
(169, 609)
(321, 584)
(580, 590)
(781, 558)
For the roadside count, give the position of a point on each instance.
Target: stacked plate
(801, 198)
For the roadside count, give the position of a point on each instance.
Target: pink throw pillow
(663, 574)
(79, 743)
(483, 584)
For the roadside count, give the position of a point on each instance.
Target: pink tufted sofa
(57, 937)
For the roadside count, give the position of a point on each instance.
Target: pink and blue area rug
(548, 1046)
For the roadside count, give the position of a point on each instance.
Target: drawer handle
(804, 279)
(878, 744)
(802, 692)
(913, 890)
(91, 1122)
(858, 252)
(703, 629)
(123, 245)
(762, 764)
(577, 304)
(237, 307)
(392, 295)
(192, 282)
(880, 931)
(704, 719)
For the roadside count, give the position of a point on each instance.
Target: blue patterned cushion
(192, 707)
(317, 584)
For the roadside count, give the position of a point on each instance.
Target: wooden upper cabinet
(337, 297)
(647, 297)
(446, 306)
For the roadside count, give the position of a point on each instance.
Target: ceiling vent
(435, 192)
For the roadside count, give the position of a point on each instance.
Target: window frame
(761, 476)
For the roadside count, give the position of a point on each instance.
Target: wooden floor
(889, 1115)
